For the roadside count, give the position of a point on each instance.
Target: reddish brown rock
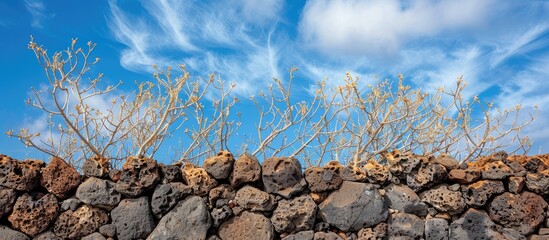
(254, 199)
(444, 200)
(516, 184)
(496, 170)
(19, 175)
(320, 179)
(7, 199)
(532, 163)
(138, 175)
(524, 212)
(282, 176)
(465, 176)
(319, 197)
(59, 178)
(221, 195)
(377, 173)
(478, 194)
(220, 166)
(247, 226)
(294, 215)
(33, 216)
(447, 161)
(246, 170)
(401, 164)
(165, 196)
(538, 182)
(426, 176)
(198, 179)
(353, 173)
(77, 224)
(96, 167)
(403, 225)
(474, 224)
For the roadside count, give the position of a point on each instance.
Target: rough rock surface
(171, 173)
(96, 167)
(245, 170)
(247, 226)
(516, 184)
(133, 219)
(165, 196)
(254, 199)
(465, 176)
(198, 179)
(524, 212)
(376, 172)
(402, 164)
(71, 203)
(108, 230)
(426, 176)
(48, 235)
(405, 225)
(221, 195)
(138, 175)
(353, 173)
(447, 161)
(59, 178)
(478, 194)
(220, 166)
(321, 179)
(7, 199)
(403, 198)
(283, 176)
(220, 214)
(99, 193)
(94, 236)
(327, 236)
(190, 220)
(303, 235)
(538, 182)
(32, 216)
(474, 224)
(436, 229)
(353, 206)
(294, 215)
(377, 232)
(444, 200)
(10, 234)
(496, 170)
(19, 175)
(77, 224)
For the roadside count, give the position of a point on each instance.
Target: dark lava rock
(133, 219)
(538, 182)
(96, 167)
(297, 214)
(246, 170)
(220, 166)
(138, 175)
(171, 173)
(283, 176)
(10, 234)
(165, 196)
(82, 222)
(444, 199)
(436, 229)
(100, 193)
(190, 220)
(474, 224)
(478, 194)
(7, 199)
(524, 212)
(320, 179)
(19, 175)
(405, 225)
(401, 197)
(247, 226)
(426, 176)
(254, 199)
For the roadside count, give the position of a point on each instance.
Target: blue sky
(500, 47)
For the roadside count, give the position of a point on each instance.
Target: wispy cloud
(37, 9)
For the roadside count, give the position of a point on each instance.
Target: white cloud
(37, 9)
(383, 26)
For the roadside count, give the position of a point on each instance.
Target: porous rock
(220, 166)
(198, 179)
(7, 199)
(282, 176)
(8, 233)
(516, 184)
(254, 199)
(97, 192)
(96, 167)
(19, 175)
(405, 225)
(474, 224)
(221, 195)
(377, 173)
(478, 194)
(377, 232)
(138, 175)
(133, 219)
(444, 200)
(190, 220)
(59, 178)
(447, 161)
(221, 214)
(436, 229)
(496, 170)
(326, 236)
(165, 196)
(247, 226)
(401, 197)
(426, 176)
(353, 206)
(32, 216)
(538, 182)
(401, 164)
(77, 224)
(465, 176)
(321, 179)
(524, 212)
(297, 214)
(246, 170)
(353, 174)
(303, 235)
(171, 173)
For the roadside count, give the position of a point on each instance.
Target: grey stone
(165, 196)
(444, 200)
(221, 214)
(474, 224)
(96, 167)
(190, 220)
(447, 161)
(220, 166)
(245, 170)
(478, 194)
(94, 236)
(108, 230)
(524, 212)
(254, 199)
(326, 236)
(138, 175)
(496, 170)
(171, 173)
(405, 225)
(303, 235)
(221, 195)
(320, 179)
(404, 199)
(99, 193)
(10, 234)
(19, 175)
(353, 174)
(538, 182)
(48, 235)
(297, 214)
(70, 204)
(436, 229)
(7, 199)
(402, 164)
(77, 224)
(247, 226)
(283, 176)
(516, 184)
(353, 206)
(426, 176)
(133, 219)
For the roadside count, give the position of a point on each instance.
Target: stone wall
(411, 197)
